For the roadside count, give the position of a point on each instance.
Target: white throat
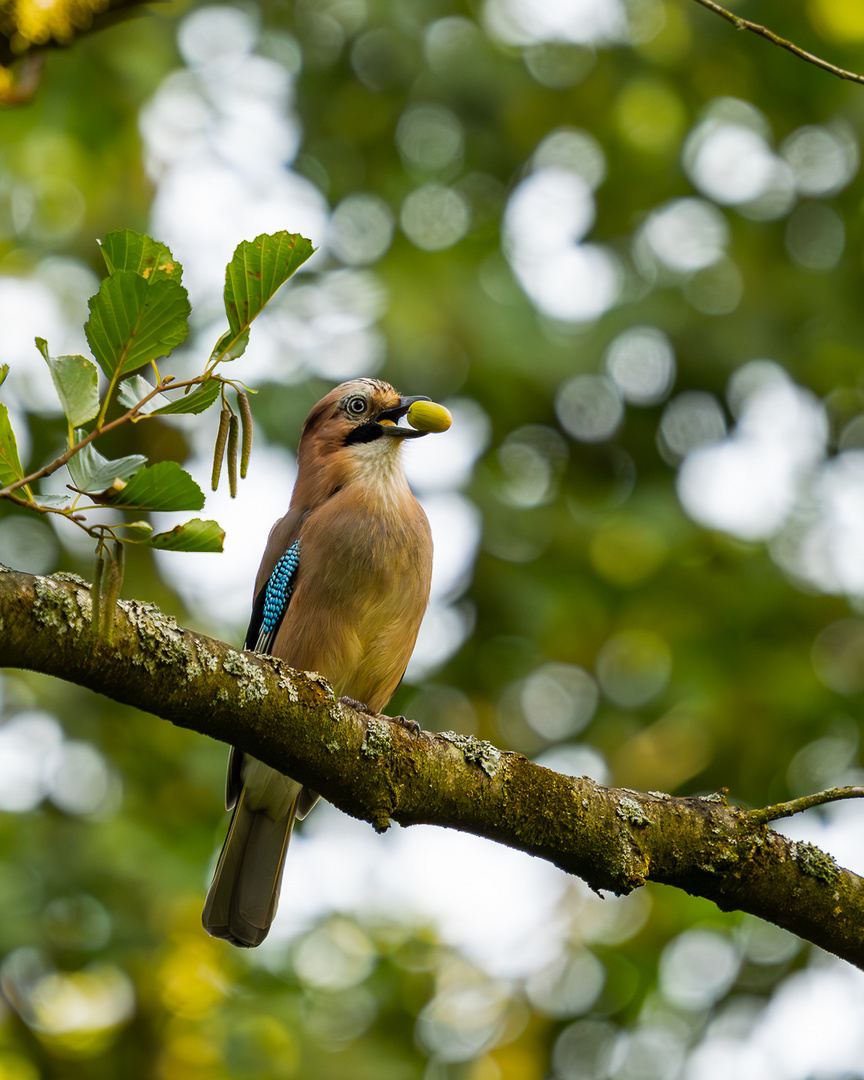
(377, 467)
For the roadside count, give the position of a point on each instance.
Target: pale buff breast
(361, 592)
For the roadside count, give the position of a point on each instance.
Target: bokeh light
(335, 956)
(838, 656)
(642, 363)
(526, 22)
(569, 986)
(576, 151)
(435, 217)
(547, 217)
(823, 160)
(748, 483)
(698, 968)
(815, 236)
(684, 235)
(585, 1050)
(361, 229)
(430, 138)
(559, 700)
(633, 667)
(532, 459)
(466, 1016)
(26, 739)
(589, 407)
(28, 544)
(692, 419)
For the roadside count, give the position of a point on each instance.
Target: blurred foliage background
(624, 243)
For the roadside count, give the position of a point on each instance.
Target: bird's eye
(357, 405)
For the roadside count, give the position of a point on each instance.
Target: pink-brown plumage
(360, 591)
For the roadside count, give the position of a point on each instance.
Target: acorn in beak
(422, 414)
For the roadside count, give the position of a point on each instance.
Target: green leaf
(10, 465)
(76, 381)
(91, 472)
(230, 345)
(164, 486)
(136, 531)
(4, 371)
(132, 323)
(134, 389)
(257, 269)
(53, 502)
(195, 402)
(128, 250)
(194, 535)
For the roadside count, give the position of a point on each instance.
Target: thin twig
(29, 504)
(775, 39)
(59, 462)
(69, 512)
(795, 806)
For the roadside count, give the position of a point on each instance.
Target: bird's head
(361, 411)
(357, 427)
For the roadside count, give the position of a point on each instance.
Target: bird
(341, 590)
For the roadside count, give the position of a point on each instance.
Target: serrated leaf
(163, 486)
(53, 502)
(136, 531)
(132, 323)
(257, 269)
(194, 535)
(10, 465)
(4, 371)
(230, 345)
(128, 250)
(135, 389)
(76, 381)
(91, 472)
(195, 402)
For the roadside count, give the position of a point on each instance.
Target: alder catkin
(112, 582)
(246, 423)
(233, 443)
(96, 593)
(219, 452)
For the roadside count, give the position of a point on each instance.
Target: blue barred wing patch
(277, 594)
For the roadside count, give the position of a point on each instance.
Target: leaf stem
(100, 429)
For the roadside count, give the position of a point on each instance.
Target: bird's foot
(403, 721)
(357, 706)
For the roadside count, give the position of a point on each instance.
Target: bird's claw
(359, 706)
(403, 721)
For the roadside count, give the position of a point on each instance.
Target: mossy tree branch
(378, 771)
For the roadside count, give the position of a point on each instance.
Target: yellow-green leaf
(194, 535)
(256, 271)
(128, 250)
(132, 323)
(10, 465)
(163, 486)
(76, 381)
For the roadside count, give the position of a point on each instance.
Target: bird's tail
(244, 893)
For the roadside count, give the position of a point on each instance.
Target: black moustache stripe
(363, 433)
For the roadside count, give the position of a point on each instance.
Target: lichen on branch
(380, 770)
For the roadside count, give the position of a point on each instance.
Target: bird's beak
(389, 419)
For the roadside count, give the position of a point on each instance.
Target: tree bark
(378, 770)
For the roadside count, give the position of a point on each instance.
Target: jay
(341, 590)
